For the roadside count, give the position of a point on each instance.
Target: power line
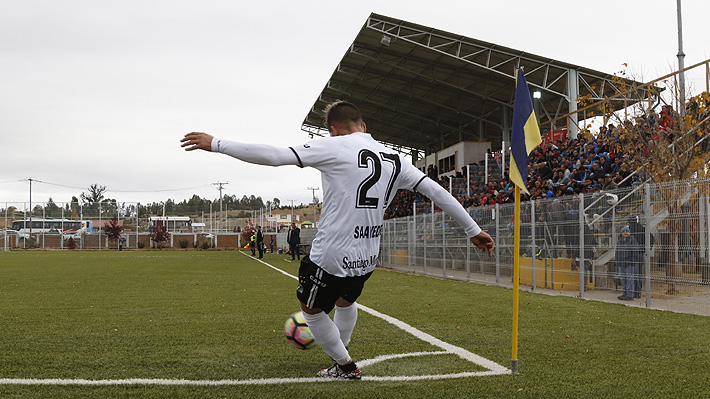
(13, 181)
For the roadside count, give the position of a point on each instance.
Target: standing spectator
(252, 244)
(260, 241)
(639, 233)
(294, 241)
(627, 258)
(271, 244)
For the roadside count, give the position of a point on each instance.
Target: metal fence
(56, 222)
(569, 244)
(54, 225)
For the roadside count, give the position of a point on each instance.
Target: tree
(11, 210)
(95, 194)
(113, 230)
(159, 234)
(52, 210)
(74, 207)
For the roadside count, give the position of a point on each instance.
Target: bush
(141, 245)
(205, 245)
(160, 234)
(71, 244)
(184, 243)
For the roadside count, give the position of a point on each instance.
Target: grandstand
(424, 89)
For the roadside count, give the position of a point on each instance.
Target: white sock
(345, 319)
(327, 336)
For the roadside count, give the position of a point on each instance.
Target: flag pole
(524, 137)
(516, 281)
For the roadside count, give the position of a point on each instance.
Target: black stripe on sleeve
(300, 164)
(417, 185)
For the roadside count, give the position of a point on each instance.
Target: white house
(283, 217)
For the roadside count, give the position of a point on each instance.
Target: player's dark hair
(339, 112)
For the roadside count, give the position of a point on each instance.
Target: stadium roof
(424, 89)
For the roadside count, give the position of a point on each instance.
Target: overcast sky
(102, 91)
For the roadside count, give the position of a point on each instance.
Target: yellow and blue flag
(525, 135)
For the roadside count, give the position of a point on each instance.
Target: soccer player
(360, 177)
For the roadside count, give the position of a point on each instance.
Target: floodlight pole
(30, 208)
(315, 207)
(681, 62)
(5, 230)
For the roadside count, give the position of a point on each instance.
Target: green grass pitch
(219, 315)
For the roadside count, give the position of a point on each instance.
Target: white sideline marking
(493, 367)
(263, 381)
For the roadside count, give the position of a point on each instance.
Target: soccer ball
(297, 331)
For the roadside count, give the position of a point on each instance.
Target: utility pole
(314, 189)
(220, 184)
(30, 179)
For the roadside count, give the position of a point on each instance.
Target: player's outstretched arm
(484, 241)
(197, 141)
(261, 154)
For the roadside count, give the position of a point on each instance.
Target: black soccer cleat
(336, 371)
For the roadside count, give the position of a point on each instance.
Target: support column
(701, 220)
(647, 237)
(572, 93)
(581, 262)
(506, 125)
(497, 247)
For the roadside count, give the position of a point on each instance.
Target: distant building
(282, 217)
(100, 224)
(173, 223)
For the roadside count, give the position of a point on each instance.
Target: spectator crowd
(584, 164)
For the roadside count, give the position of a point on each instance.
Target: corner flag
(524, 138)
(525, 135)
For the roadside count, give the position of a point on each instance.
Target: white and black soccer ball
(297, 331)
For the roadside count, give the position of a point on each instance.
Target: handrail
(633, 88)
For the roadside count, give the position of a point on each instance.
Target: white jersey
(360, 177)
